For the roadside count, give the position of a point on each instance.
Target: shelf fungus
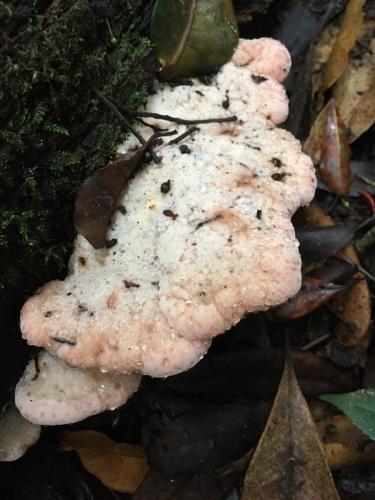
(218, 241)
(52, 393)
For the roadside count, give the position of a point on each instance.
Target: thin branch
(153, 127)
(184, 135)
(181, 121)
(315, 342)
(121, 117)
(361, 269)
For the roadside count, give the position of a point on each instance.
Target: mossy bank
(54, 131)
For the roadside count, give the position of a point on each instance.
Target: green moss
(53, 129)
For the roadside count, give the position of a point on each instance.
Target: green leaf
(193, 37)
(359, 406)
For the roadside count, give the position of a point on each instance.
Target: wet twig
(182, 121)
(122, 118)
(184, 135)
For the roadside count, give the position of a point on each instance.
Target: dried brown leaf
(353, 306)
(334, 165)
(350, 30)
(289, 461)
(354, 92)
(328, 145)
(120, 466)
(344, 444)
(314, 216)
(313, 294)
(97, 198)
(363, 115)
(322, 52)
(313, 144)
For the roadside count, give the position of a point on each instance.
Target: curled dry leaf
(319, 243)
(363, 115)
(120, 466)
(343, 443)
(334, 165)
(349, 32)
(334, 270)
(352, 306)
(354, 92)
(363, 177)
(289, 461)
(193, 37)
(328, 145)
(347, 357)
(314, 293)
(184, 437)
(313, 144)
(322, 51)
(97, 197)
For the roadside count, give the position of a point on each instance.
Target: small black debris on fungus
(62, 340)
(257, 148)
(259, 214)
(184, 149)
(111, 243)
(122, 209)
(211, 219)
(277, 176)
(206, 79)
(165, 187)
(130, 284)
(47, 314)
(199, 93)
(82, 261)
(277, 162)
(169, 213)
(226, 102)
(258, 79)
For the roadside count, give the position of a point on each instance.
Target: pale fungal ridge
(16, 435)
(192, 259)
(55, 394)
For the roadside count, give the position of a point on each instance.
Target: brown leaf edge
(119, 466)
(289, 461)
(97, 198)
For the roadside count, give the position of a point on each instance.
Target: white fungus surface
(190, 260)
(16, 435)
(58, 394)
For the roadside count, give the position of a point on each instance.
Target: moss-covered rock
(54, 131)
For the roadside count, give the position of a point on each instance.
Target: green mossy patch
(54, 131)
